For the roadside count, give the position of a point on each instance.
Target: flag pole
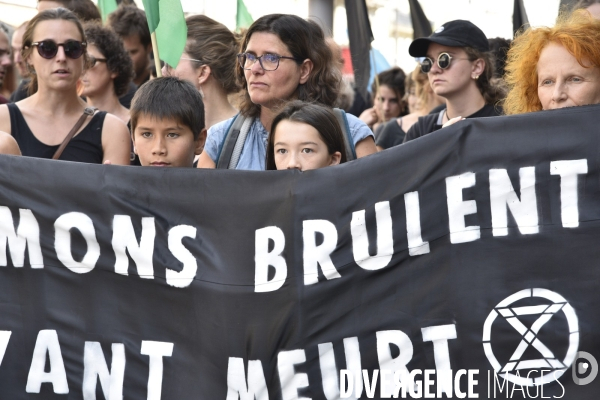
(372, 56)
(156, 56)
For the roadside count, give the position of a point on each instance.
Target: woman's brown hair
(492, 93)
(305, 40)
(48, 15)
(214, 45)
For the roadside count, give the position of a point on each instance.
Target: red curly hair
(579, 33)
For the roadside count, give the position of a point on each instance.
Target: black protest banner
(520, 20)
(360, 37)
(462, 263)
(420, 23)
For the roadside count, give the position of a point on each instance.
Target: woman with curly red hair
(555, 67)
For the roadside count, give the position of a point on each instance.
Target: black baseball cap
(457, 33)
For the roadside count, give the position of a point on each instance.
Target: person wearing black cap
(459, 68)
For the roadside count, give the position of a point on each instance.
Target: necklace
(447, 116)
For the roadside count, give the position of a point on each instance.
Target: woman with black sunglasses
(459, 67)
(54, 49)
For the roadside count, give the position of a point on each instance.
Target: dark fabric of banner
(479, 284)
(360, 37)
(420, 23)
(520, 20)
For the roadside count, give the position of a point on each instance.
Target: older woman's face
(563, 82)
(270, 88)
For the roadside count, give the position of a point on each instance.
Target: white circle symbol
(529, 337)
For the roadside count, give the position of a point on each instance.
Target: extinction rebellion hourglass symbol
(529, 337)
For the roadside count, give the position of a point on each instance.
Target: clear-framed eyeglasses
(268, 62)
(169, 69)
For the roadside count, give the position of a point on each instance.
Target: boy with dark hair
(167, 123)
(129, 22)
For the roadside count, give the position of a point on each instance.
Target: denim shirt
(254, 151)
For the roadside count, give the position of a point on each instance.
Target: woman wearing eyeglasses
(109, 73)
(54, 49)
(459, 69)
(208, 62)
(283, 58)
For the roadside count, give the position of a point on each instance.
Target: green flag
(243, 18)
(166, 20)
(152, 13)
(106, 7)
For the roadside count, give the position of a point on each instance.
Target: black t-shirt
(432, 122)
(359, 105)
(86, 146)
(125, 100)
(391, 135)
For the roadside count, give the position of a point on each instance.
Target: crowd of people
(272, 98)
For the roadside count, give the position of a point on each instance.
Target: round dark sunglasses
(49, 48)
(94, 61)
(443, 61)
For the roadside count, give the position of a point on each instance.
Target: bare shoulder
(365, 147)
(205, 161)
(114, 128)
(8, 144)
(4, 119)
(116, 144)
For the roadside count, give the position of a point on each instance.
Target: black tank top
(85, 147)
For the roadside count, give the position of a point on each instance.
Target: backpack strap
(348, 140)
(86, 112)
(440, 120)
(239, 144)
(228, 145)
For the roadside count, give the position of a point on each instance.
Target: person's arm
(204, 161)
(365, 147)
(8, 144)
(364, 143)
(116, 143)
(213, 143)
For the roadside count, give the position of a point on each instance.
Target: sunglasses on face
(443, 61)
(94, 61)
(49, 48)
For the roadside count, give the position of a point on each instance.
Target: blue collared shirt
(255, 148)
